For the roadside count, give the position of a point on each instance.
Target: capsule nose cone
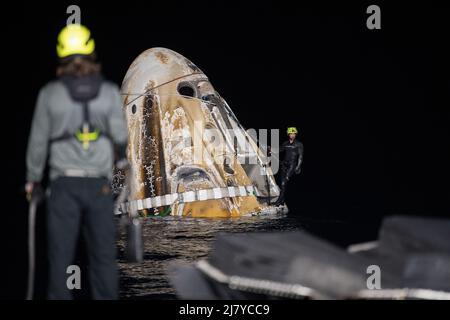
(157, 66)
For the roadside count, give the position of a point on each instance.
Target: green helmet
(292, 130)
(74, 39)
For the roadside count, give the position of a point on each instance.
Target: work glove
(298, 170)
(34, 190)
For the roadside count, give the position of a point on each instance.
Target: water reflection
(171, 239)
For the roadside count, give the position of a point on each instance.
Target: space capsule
(188, 153)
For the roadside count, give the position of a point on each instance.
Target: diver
(291, 163)
(79, 123)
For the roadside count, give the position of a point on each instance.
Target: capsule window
(186, 89)
(133, 109)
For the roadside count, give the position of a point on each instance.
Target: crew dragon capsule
(188, 153)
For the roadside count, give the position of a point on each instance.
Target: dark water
(184, 240)
(170, 240)
(175, 240)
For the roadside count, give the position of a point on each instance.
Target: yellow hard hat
(74, 39)
(292, 130)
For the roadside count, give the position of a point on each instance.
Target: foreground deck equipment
(410, 260)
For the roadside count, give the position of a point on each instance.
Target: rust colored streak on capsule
(154, 154)
(125, 102)
(161, 57)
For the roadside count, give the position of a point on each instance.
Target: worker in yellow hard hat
(79, 123)
(291, 163)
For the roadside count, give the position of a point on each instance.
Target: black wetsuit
(293, 156)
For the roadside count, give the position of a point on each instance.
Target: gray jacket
(55, 114)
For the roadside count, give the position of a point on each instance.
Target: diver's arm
(282, 148)
(300, 158)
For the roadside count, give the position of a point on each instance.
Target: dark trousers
(286, 172)
(82, 205)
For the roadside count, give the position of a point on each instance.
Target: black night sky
(372, 106)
